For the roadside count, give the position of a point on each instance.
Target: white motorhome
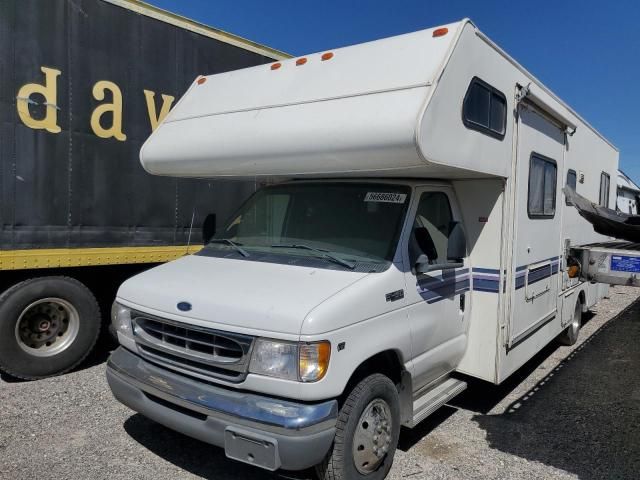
(412, 232)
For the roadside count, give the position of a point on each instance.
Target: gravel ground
(571, 412)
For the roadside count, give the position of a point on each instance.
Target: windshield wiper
(323, 253)
(231, 243)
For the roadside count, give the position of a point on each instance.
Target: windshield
(336, 221)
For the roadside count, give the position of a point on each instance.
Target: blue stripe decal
(484, 285)
(537, 274)
(436, 287)
(486, 270)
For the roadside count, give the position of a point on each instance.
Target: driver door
(437, 298)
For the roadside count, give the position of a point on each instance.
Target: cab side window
(431, 227)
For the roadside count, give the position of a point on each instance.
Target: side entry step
(433, 398)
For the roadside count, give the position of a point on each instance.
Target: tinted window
(572, 181)
(604, 189)
(485, 109)
(542, 187)
(432, 225)
(357, 221)
(477, 106)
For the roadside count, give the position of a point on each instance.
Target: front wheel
(367, 432)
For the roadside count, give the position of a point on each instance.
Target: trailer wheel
(570, 335)
(367, 432)
(48, 325)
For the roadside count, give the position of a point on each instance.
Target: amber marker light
(314, 360)
(201, 80)
(573, 271)
(275, 66)
(440, 32)
(326, 56)
(301, 61)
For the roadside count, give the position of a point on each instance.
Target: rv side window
(604, 189)
(572, 181)
(485, 109)
(542, 187)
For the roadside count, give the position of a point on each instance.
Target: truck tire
(48, 325)
(570, 335)
(367, 432)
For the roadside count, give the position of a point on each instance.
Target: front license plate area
(251, 448)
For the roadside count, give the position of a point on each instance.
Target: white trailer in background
(413, 230)
(628, 195)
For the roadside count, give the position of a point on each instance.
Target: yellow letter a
(167, 101)
(50, 93)
(115, 107)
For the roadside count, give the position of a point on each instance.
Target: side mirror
(208, 228)
(456, 251)
(422, 264)
(457, 243)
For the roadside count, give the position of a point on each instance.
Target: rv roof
(401, 62)
(354, 111)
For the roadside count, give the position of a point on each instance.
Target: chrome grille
(200, 351)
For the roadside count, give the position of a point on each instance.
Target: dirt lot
(569, 413)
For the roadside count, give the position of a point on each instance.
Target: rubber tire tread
(332, 468)
(565, 337)
(92, 322)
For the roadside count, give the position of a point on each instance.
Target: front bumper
(262, 431)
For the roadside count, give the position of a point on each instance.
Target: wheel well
(582, 297)
(387, 363)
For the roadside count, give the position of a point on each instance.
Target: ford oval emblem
(184, 306)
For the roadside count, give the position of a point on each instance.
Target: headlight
(306, 362)
(121, 319)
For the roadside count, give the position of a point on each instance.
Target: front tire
(48, 325)
(367, 432)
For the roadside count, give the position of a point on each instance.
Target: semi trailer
(414, 233)
(82, 84)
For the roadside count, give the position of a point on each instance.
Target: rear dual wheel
(367, 432)
(570, 335)
(48, 325)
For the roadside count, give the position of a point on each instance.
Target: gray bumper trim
(302, 433)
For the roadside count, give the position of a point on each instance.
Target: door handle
(462, 302)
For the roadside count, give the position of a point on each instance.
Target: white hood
(242, 294)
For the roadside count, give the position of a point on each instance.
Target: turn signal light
(326, 56)
(201, 80)
(275, 66)
(440, 32)
(314, 360)
(573, 271)
(301, 61)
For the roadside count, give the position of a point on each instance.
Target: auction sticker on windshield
(385, 197)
